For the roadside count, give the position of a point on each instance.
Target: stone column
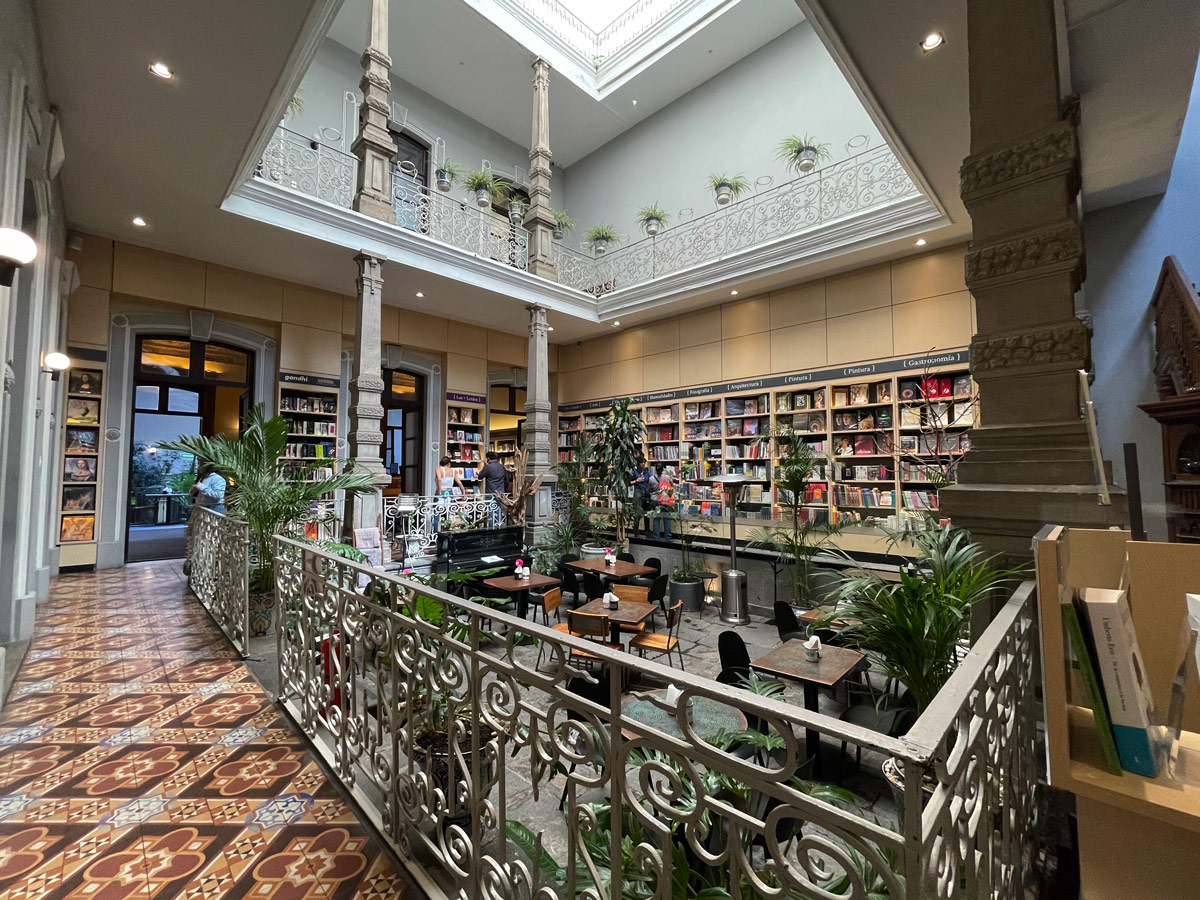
(540, 217)
(374, 146)
(366, 390)
(539, 514)
(1030, 463)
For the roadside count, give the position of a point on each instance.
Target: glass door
(404, 432)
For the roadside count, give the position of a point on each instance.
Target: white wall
(731, 123)
(336, 70)
(1126, 245)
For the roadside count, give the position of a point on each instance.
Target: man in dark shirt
(493, 474)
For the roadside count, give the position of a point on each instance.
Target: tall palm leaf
(258, 491)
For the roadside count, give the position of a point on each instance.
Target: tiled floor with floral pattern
(139, 759)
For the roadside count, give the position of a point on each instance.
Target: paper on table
(491, 559)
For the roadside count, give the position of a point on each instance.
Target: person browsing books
(666, 506)
(494, 474)
(447, 479)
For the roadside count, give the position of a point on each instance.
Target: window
(412, 157)
(145, 397)
(404, 386)
(182, 401)
(166, 356)
(225, 364)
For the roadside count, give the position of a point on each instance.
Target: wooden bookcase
(81, 464)
(569, 429)
(1138, 837)
(311, 412)
(466, 441)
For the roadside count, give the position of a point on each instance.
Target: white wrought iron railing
(411, 522)
(309, 166)
(218, 555)
(443, 726)
(865, 181)
(596, 46)
(459, 223)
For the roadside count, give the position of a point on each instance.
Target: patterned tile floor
(139, 759)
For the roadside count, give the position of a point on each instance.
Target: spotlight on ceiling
(932, 41)
(420, 294)
(16, 249)
(161, 69)
(616, 324)
(549, 327)
(635, 103)
(733, 293)
(921, 242)
(139, 221)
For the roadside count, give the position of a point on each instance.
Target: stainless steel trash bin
(735, 601)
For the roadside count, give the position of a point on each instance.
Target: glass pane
(498, 397)
(225, 364)
(404, 386)
(145, 396)
(166, 356)
(182, 401)
(395, 418)
(519, 400)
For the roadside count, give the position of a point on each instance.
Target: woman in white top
(447, 479)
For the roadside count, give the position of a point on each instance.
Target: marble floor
(139, 759)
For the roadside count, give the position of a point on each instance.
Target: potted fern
(486, 186)
(600, 236)
(516, 211)
(652, 218)
(446, 174)
(802, 152)
(727, 188)
(562, 224)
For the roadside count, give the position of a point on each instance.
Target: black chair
(626, 556)
(787, 624)
(733, 675)
(732, 650)
(592, 585)
(570, 585)
(597, 692)
(568, 557)
(647, 580)
(887, 713)
(658, 593)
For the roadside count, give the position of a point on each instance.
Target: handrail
(218, 555)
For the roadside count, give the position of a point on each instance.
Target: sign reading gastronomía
(858, 370)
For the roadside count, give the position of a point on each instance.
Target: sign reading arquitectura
(859, 370)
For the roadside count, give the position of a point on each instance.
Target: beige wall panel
(929, 275)
(94, 261)
(159, 276)
(864, 335)
(420, 330)
(595, 383)
(231, 291)
(349, 308)
(467, 374)
(699, 364)
(87, 317)
(799, 304)
(936, 323)
(311, 350)
(309, 306)
(469, 340)
(552, 359)
(746, 317)
(389, 324)
(798, 347)
(570, 386)
(627, 344)
(596, 352)
(742, 357)
(570, 357)
(660, 371)
(701, 327)
(658, 337)
(857, 291)
(508, 348)
(625, 378)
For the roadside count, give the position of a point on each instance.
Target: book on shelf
(750, 427)
(964, 413)
(937, 414)
(783, 402)
(962, 385)
(818, 398)
(881, 392)
(920, 500)
(883, 417)
(1123, 674)
(908, 443)
(859, 394)
(735, 406)
(733, 428)
(864, 445)
(845, 421)
(841, 397)
(928, 443)
(816, 423)
(1081, 659)
(866, 420)
(910, 390)
(948, 443)
(945, 387)
(964, 443)
(651, 415)
(910, 417)
(885, 443)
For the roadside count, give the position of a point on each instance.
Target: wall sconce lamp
(16, 249)
(55, 363)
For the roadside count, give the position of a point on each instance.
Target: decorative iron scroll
(413, 521)
(431, 712)
(219, 571)
(310, 167)
(459, 223)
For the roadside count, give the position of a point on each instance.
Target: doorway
(404, 431)
(181, 387)
(506, 424)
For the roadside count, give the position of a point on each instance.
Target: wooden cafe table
(519, 588)
(619, 570)
(626, 612)
(788, 661)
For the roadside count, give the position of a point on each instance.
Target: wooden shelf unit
(81, 462)
(311, 412)
(466, 441)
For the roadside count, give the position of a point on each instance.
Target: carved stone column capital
(1048, 152)
(1045, 251)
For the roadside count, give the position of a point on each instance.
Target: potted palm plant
(563, 224)
(687, 579)
(727, 188)
(270, 500)
(653, 219)
(619, 445)
(487, 186)
(802, 152)
(446, 174)
(600, 236)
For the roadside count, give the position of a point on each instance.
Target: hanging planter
(802, 153)
(446, 174)
(562, 224)
(516, 211)
(487, 187)
(727, 188)
(600, 236)
(653, 219)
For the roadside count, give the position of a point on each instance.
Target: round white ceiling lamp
(420, 294)
(17, 249)
(139, 221)
(932, 41)
(921, 242)
(161, 69)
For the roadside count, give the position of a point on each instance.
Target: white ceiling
(465, 61)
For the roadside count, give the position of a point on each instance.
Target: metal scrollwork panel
(310, 167)
(219, 571)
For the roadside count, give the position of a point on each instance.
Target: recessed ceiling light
(733, 293)
(635, 103)
(139, 221)
(419, 294)
(549, 327)
(921, 242)
(932, 41)
(161, 69)
(615, 324)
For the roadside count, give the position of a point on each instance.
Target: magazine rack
(1138, 837)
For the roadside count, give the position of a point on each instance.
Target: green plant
(653, 212)
(181, 482)
(149, 470)
(690, 567)
(486, 180)
(737, 184)
(258, 491)
(620, 445)
(601, 233)
(565, 222)
(452, 170)
(798, 545)
(296, 105)
(792, 151)
(911, 627)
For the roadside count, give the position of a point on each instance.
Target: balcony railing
(219, 571)
(447, 731)
(866, 181)
(411, 522)
(310, 167)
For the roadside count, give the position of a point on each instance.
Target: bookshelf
(80, 469)
(661, 441)
(1128, 825)
(465, 441)
(569, 429)
(310, 407)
